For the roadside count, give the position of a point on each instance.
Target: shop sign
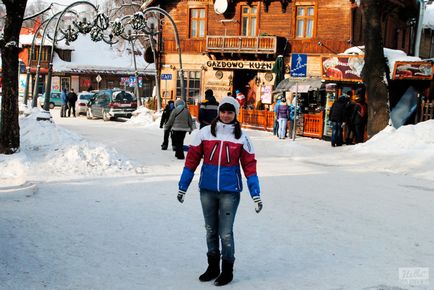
(343, 68)
(412, 70)
(166, 77)
(131, 81)
(298, 65)
(233, 64)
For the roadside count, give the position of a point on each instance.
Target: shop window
(305, 21)
(197, 22)
(65, 83)
(249, 20)
(192, 86)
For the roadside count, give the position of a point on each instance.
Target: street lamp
(70, 34)
(32, 51)
(149, 29)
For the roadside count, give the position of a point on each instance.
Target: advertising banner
(412, 70)
(343, 68)
(266, 94)
(55, 84)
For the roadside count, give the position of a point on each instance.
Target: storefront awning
(304, 85)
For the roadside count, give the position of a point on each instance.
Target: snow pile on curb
(412, 143)
(49, 152)
(144, 117)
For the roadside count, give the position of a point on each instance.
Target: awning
(304, 85)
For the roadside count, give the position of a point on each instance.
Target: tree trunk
(373, 73)
(9, 126)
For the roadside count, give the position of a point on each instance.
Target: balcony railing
(242, 44)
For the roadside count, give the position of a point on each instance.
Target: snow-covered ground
(89, 204)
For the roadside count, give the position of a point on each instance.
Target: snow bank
(406, 150)
(49, 152)
(144, 117)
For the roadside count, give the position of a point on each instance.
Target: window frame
(187, 81)
(250, 15)
(190, 20)
(305, 18)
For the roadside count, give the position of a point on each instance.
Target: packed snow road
(333, 218)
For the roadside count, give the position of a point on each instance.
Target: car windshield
(86, 96)
(124, 96)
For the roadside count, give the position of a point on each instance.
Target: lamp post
(134, 23)
(98, 25)
(38, 66)
(150, 31)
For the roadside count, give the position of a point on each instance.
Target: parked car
(110, 104)
(54, 100)
(82, 101)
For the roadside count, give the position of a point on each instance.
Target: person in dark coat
(282, 118)
(349, 126)
(337, 116)
(164, 118)
(72, 99)
(208, 109)
(360, 117)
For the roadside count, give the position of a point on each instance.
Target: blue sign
(298, 65)
(166, 77)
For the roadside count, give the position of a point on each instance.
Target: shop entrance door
(245, 82)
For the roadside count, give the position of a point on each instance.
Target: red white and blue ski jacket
(222, 156)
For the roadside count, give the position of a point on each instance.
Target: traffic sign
(98, 78)
(166, 77)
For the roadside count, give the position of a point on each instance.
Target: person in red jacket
(223, 147)
(241, 98)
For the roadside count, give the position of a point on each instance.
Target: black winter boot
(213, 269)
(226, 276)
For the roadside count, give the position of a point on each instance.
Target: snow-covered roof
(392, 55)
(100, 57)
(26, 39)
(428, 17)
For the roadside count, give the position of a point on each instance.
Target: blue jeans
(219, 209)
(337, 138)
(282, 127)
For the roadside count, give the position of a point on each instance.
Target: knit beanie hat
(229, 104)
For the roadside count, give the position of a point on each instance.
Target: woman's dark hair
(237, 127)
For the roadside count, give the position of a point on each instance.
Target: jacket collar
(225, 129)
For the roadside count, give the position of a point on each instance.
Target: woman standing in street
(223, 147)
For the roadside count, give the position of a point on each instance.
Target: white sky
(94, 207)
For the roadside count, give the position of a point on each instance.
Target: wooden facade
(219, 53)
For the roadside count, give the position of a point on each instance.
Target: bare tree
(373, 73)
(9, 127)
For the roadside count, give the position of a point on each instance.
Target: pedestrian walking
(164, 118)
(276, 123)
(208, 109)
(180, 122)
(282, 118)
(337, 117)
(72, 99)
(64, 99)
(222, 146)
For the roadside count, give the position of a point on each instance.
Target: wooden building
(230, 45)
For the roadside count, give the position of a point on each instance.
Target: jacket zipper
(218, 167)
(228, 158)
(212, 152)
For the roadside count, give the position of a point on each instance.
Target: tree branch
(38, 13)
